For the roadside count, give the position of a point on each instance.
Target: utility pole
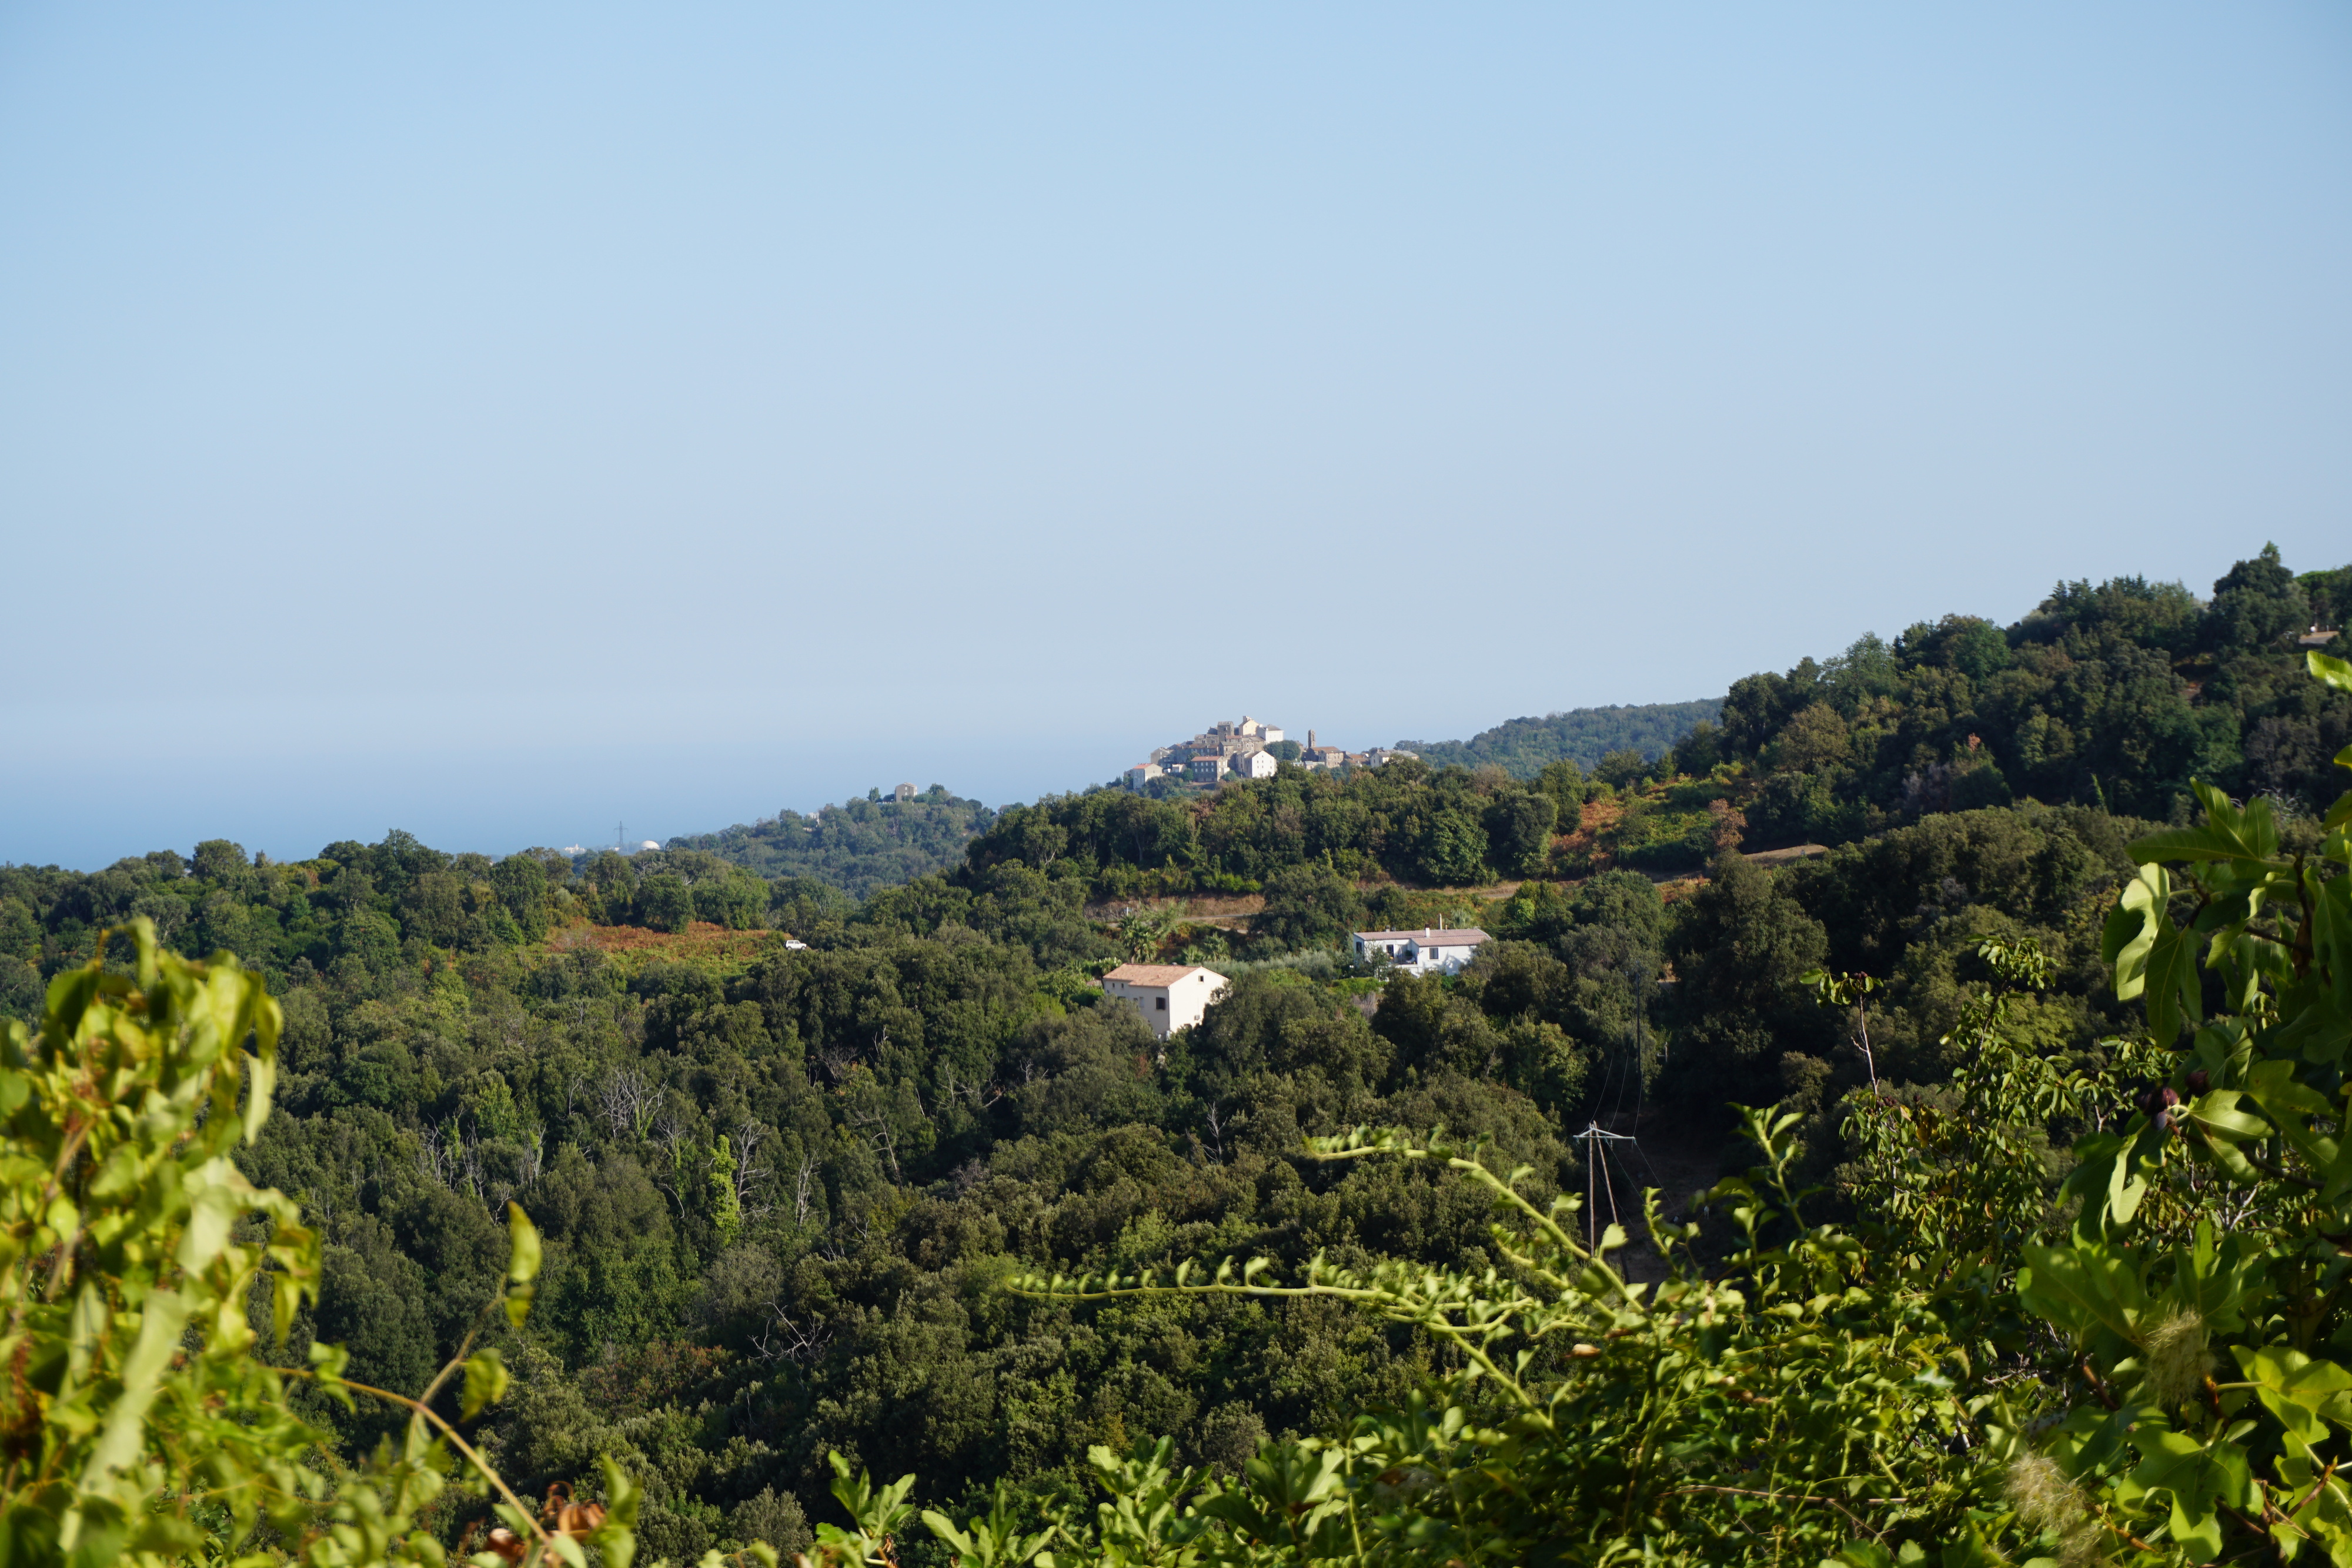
(1596, 1154)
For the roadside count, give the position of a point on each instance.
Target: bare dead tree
(749, 1136)
(451, 1157)
(629, 1102)
(784, 1340)
(982, 1094)
(434, 1158)
(834, 1247)
(801, 1188)
(881, 1136)
(470, 1159)
(616, 1098)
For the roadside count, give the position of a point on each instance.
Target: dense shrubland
(857, 846)
(787, 1198)
(1524, 748)
(862, 846)
(2114, 697)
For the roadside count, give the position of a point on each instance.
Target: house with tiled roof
(1169, 996)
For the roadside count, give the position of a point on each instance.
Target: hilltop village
(1247, 749)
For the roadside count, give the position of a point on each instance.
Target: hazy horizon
(498, 424)
(300, 814)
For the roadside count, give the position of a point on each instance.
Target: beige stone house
(1169, 996)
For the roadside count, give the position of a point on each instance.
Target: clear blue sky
(505, 421)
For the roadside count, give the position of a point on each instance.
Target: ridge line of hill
(862, 846)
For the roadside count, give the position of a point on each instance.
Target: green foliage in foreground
(1789, 1391)
(143, 1420)
(2205, 1280)
(2155, 1372)
(1807, 1389)
(2066, 1299)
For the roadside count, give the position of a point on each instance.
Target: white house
(1169, 996)
(1423, 952)
(1254, 765)
(1143, 773)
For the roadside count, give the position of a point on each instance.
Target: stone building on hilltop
(1244, 750)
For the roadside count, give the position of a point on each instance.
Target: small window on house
(1162, 1004)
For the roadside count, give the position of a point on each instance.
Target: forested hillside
(783, 1190)
(2116, 696)
(1524, 748)
(857, 846)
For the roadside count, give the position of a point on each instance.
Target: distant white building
(649, 845)
(1169, 996)
(1422, 952)
(1242, 750)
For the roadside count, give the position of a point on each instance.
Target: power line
(1596, 1139)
